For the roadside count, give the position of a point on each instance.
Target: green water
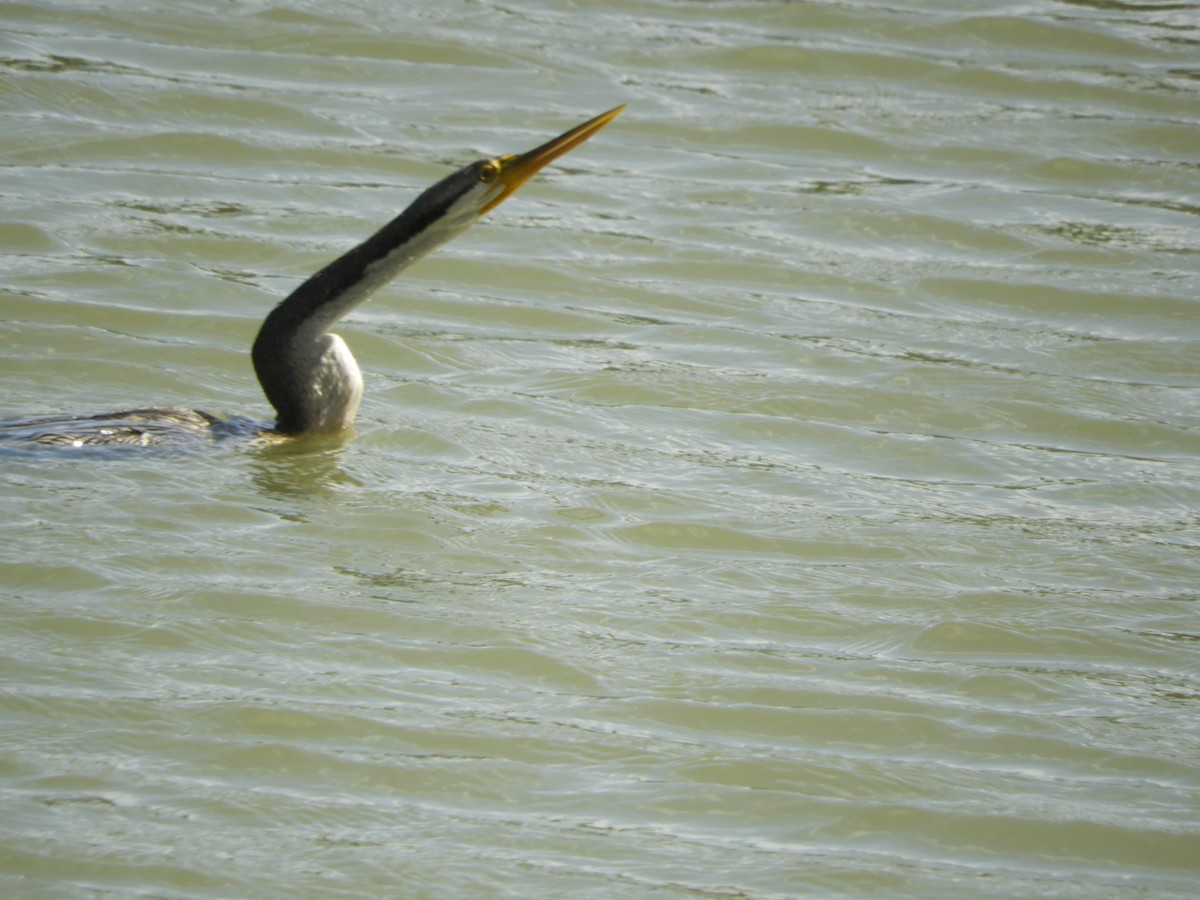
(792, 492)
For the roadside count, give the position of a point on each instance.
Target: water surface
(792, 492)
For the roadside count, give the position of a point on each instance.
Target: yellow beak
(517, 168)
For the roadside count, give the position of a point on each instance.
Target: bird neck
(309, 374)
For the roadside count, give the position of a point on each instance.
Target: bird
(307, 372)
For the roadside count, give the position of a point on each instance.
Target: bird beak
(517, 168)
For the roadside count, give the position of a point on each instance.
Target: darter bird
(306, 371)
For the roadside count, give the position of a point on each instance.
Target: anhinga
(306, 371)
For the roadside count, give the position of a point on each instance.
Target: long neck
(308, 374)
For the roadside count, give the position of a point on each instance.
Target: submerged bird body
(154, 426)
(308, 373)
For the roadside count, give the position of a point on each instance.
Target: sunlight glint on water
(793, 492)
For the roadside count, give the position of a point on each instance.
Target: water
(792, 492)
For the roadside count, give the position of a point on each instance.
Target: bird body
(308, 373)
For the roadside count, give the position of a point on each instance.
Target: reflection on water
(794, 495)
(301, 467)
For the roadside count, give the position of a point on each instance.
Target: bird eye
(489, 171)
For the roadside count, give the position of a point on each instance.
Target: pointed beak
(518, 168)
